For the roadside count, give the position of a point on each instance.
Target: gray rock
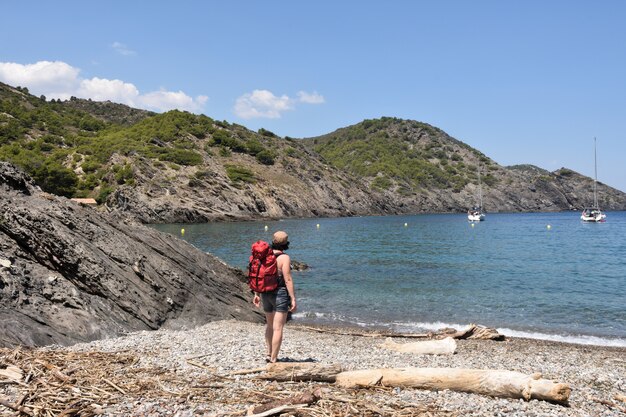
(77, 274)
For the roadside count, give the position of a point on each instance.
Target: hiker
(279, 303)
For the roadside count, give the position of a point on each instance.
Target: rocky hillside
(173, 167)
(420, 168)
(69, 273)
(180, 167)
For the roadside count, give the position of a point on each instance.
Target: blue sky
(523, 82)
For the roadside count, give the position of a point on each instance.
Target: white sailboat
(476, 214)
(594, 214)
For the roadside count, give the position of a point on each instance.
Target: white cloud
(122, 49)
(43, 75)
(61, 81)
(310, 98)
(101, 89)
(172, 100)
(264, 104)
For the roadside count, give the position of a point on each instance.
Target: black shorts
(276, 301)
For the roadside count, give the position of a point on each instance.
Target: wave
(578, 339)
(417, 327)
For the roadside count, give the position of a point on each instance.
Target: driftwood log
(495, 383)
(301, 371)
(475, 331)
(445, 346)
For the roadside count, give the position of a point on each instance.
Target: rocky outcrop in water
(69, 273)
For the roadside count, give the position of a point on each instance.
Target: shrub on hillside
(267, 133)
(382, 183)
(180, 157)
(56, 179)
(254, 147)
(265, 157)
(239, 174)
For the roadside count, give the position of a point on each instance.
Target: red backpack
(262, 269)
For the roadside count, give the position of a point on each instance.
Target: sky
(529, 82)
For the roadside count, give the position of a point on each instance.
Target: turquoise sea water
(564, 282)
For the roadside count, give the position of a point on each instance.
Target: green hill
(404, 155)
(67, 146)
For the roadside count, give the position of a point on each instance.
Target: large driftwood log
(494, 383)
(301, 371)
(445, 346)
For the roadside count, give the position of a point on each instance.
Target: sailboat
(594, 214)
(476, 214)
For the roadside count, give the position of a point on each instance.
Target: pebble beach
(208, 359)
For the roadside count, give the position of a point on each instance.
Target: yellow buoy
(317, 225)
(549, 227)
(406, 224)
(266, 227)
(472, 224)
(182, 231)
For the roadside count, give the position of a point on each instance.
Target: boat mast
(595, 178)
(480, 189)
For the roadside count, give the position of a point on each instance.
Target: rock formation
(69, 273)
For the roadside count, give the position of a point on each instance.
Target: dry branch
(304, 398)
(610, 404)
(365, 334)
(279, 410)
(15, 407)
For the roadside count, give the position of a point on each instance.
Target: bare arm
(285, 267)
(256, 300)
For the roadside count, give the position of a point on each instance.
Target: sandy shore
(189, 373)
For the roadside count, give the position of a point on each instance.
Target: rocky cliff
(300, 186)
(69, 273)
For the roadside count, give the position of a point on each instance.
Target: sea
(534, 275)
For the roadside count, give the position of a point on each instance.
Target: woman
(279, 303)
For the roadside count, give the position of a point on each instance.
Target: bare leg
(269, 332)
(277, 334)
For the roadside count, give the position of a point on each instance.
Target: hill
(181, 167)
(174, 166)
(420, 166)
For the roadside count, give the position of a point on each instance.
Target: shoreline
(581, 340)
(242, 219)
(210, 356)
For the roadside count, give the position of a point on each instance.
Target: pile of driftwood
(337, 402)
(60, 383)
(42, 382)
